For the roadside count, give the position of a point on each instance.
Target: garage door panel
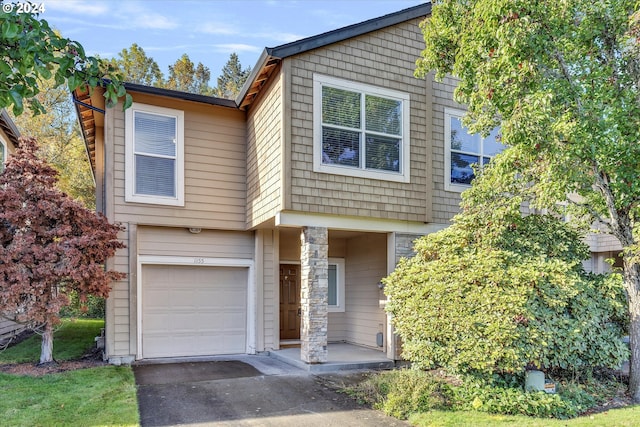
(193, 311)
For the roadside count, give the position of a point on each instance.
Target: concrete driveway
(248, 391)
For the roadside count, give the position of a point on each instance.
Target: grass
(614, 418)
(70, 341)
(101, 396)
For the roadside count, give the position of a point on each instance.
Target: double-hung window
(360, 130)
(154, 162)
(464, 150)
(336, 285)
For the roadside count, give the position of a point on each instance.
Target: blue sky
(208, 31)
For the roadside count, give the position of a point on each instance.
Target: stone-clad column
(314, 290)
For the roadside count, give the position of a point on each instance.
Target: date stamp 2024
(23, 7)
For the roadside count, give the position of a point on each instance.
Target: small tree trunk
(632, 285)
(46, 352)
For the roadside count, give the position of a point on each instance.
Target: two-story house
(270, 219)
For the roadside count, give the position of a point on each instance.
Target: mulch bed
(91, 359)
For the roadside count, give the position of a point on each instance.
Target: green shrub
(92, 308)
(498, 295)
(404, 392)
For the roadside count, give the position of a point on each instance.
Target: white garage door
(193, 311)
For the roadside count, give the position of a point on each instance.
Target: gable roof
(272, 56)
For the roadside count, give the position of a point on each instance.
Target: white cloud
(216, 28)
(154, 21)
(237, 47)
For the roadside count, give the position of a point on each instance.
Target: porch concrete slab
(341, 357)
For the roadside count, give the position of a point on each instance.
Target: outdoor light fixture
(195, 230)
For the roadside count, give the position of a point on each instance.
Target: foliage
(401, 393)
(74, 337)
(499, 290)
(51, 245)
(186, 77)
(104, 396)
(562, 81)
(92, 307)
(232, 78)
(31, 51)
(137, 67)
(61, 144)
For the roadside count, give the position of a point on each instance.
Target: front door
(289, 302)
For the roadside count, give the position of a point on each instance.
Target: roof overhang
(9, 127)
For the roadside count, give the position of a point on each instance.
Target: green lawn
(71, 340)
(614, 418)
(102, 396)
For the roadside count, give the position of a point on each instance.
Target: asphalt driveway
(248, 391)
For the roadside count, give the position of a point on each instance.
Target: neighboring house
(271, 219)
(9, 135)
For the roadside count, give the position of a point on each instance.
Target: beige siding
(445, 203)
(366, 264)
(117, 329)
(215, 169)
(269, 326)
(385, 58)
(264, 154)
(159, 241)
(208, 243)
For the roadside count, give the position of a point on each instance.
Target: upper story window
(464, 150)
(154, 164)
(360, 130)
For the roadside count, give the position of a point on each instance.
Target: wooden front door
(289, 302)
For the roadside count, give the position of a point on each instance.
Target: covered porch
(340, 357)
(331, 298)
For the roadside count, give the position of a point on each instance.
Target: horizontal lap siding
(366, 264)
(215, 169)
(264, 155)
(165, 241)
(384, 58)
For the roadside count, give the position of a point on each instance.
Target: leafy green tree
(61, 145)
(137, 67)
(187, 77)
(232, 78)
(31, 51)
(498, 290)
(562, 79)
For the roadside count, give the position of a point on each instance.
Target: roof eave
(9, 127)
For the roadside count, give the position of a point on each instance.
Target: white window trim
(340, 285)
(130, 174)
(448, 185)
(405, 148)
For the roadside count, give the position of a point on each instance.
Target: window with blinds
(465, 150)
(154, 155)
(360, 130)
